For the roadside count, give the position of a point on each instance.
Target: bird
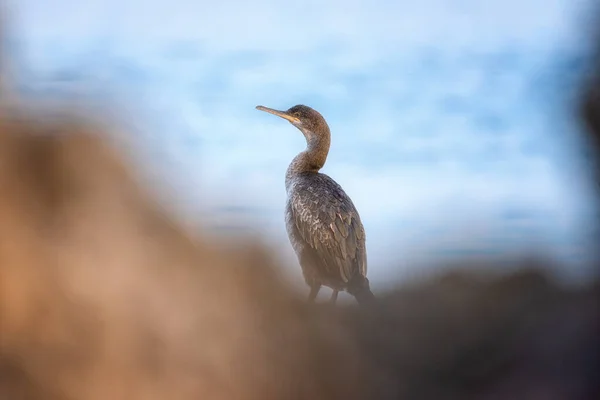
(323, 225)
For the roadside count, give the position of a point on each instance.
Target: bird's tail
(359, 288)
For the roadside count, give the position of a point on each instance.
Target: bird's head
(309, 121)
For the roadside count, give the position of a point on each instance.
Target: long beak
(281, 114)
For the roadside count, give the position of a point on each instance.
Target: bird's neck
(313, 158)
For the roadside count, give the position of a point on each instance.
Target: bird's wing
(331, 226)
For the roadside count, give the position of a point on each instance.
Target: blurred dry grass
(103, 296)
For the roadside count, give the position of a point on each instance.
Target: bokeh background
(451, 120)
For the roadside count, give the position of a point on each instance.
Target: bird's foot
(334, 297)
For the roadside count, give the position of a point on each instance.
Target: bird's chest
(292, 229)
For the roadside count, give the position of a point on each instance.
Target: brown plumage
(323, 224)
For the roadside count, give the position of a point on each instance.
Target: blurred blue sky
(449, 118)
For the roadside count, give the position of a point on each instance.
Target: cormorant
(323, 225)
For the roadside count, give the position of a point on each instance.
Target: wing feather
(328, 222)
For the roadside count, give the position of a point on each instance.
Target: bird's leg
(334, 296)
(314, 291)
